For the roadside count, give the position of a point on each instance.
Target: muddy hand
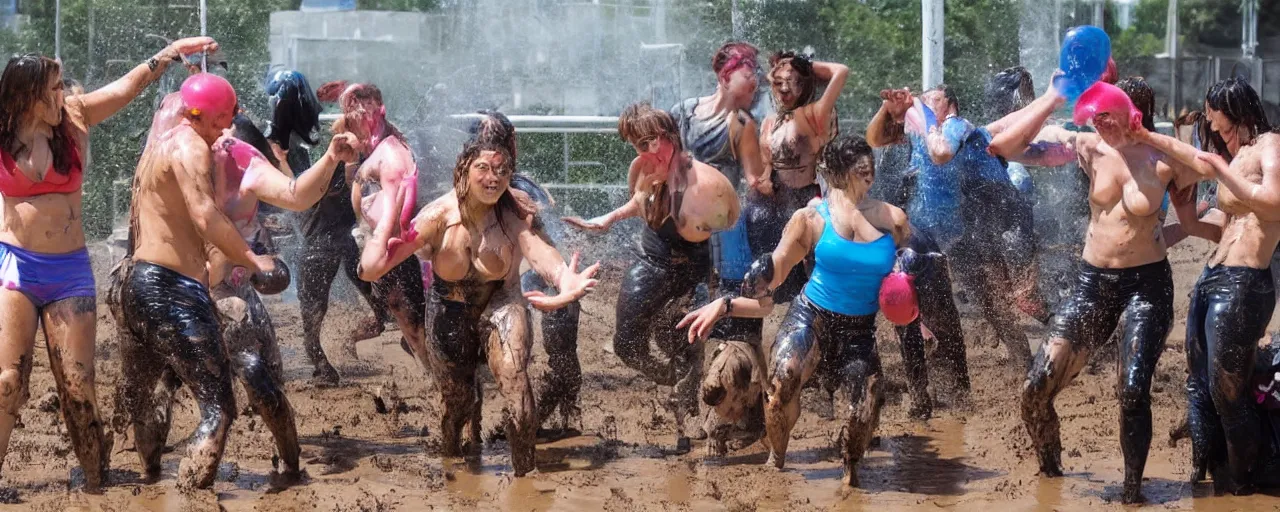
(596, 225)
(1219, 164)
(572, 285)
(344, 147)
(701, 320)
(896, 101)
(193, 45)
(263, 263)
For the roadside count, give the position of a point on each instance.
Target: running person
(1234, 299)
(683, 201)
(1125, 271)
(46, 276)
(718, 130)
(165, 301)
(389, 172)
(829, 329)
(475, 238)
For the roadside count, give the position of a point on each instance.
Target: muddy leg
(1148, 320)
(141, 369)
(864, 389)
(732, 387)
(18, 323)
(646, 290)
(911, 342)
(373, 325)
(454, 355)
(509, 355)
(795, 357)
(938, 312)
(1057, 363)
(1202, 421)
(316, 271)
(995, 291)
(70, 332)
(563, 381)
(255, 358)
(401, 290)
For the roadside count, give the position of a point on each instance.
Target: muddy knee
(1134, 400)
(14, 391)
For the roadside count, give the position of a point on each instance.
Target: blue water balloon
(1085, 51)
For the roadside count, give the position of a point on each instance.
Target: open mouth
(491, 189)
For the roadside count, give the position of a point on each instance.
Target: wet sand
(971, 457)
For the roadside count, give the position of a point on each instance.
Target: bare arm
(834, 75)
(885, 129)
(305, 191)
(379, 256)
(748, 153)
(192, 167)
(632, 208)
(1181, 153)
(1011, 135)
(1262, 198)
(97, 106)
(1190, 223)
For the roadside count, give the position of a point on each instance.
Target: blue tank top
(847, 274)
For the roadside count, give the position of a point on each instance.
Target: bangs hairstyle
(494, 128)
(640, 121)
(519, 206)
(24, 84)
(1008, 91)
(1239, 103)
(1142, 97)
(733, 55)
(841, 156)
(803, 68)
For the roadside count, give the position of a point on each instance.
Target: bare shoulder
(442, 210)
(896, 216)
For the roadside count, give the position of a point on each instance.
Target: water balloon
(1085, 53)
(898, 299)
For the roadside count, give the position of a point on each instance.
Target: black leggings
(401, 291)
(766, 218)
(563, 381)
(1144, 296)
(844, 347)
(650, 303)
(172, 323)
(1230, 310)
(938, 312)
(317, 267)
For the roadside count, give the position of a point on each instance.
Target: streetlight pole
(933, 18)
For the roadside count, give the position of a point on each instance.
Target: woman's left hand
(573, 285)
(192, 45)
(701, 320)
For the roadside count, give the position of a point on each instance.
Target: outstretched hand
(193, 45)
(573, 285)
(701, 320)
(595, 225)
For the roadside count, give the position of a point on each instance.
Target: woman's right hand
(896, 102)
(263, 263)
(344, 147)
(596, 225)
(701, 320)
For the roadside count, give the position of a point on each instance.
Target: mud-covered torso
(710, 139)
(471, 263)
(48, 223)
(790, 156)
(692, 205)
(166, 233)
(1249, 238)
(1126, 192)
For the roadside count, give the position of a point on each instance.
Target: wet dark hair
(804, 70)
(840, 156)
(640, 121)
(295, 108)
(1143, 98)
(1008, 91)
(494, 128)
(520, 206)
(246, 131)
(1239, 103)
(948, 92)
(733, 55)
(25, 83)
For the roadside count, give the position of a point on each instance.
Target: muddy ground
(974, 457)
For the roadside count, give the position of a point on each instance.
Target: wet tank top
(847, 274)
(709, 140)
(13, 183)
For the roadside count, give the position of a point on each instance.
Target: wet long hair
(1143, 98)
(348, 97)
(24, 84)
(1007, 92)
(519, 206)
(1239, 103)
(840, 157)
(638, 122)
(295, 108)
(494, 127)
(246, 131)
(803, 68)
(733, 55)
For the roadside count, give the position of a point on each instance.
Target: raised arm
(192, 168)
(835, 76)
(887, 127)
(766, 275)
(1011, 134)
(1261, 198)
(302, 192)
(97, 106)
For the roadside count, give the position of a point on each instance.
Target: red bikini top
(13, 183)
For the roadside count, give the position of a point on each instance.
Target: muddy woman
(1124, 272)
(718, 130)
(475, 237)
(682, 201)
(1235, 296)
(47, 279)
(829, 329)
